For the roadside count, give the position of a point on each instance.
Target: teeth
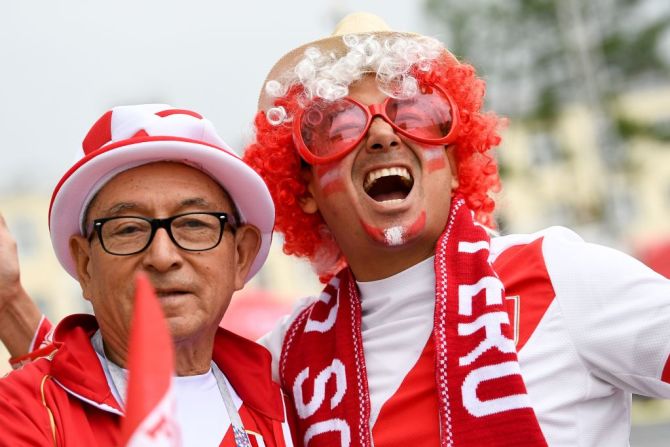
(386, 172)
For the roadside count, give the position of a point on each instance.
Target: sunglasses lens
(426, 115)
(332, 128)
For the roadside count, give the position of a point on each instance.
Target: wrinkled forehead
(168, 182)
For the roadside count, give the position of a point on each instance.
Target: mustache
(163, 284)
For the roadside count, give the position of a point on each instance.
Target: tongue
(383, 197)
(387, 188)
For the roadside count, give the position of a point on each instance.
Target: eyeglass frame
(371, 112)
(166, 224)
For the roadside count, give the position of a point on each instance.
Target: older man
(376, 151)
(155, 191)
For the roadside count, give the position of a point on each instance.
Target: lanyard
(119, 385)
(241, 437)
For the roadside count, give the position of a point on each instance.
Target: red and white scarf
(481, 394)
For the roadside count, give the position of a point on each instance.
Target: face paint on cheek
(330, 179)
(396, 235)
(436, 158)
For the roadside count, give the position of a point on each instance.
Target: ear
(453, 166)
(80, 250)
(247, 244)
(307, 202)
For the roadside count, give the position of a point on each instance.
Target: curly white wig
(328, 76)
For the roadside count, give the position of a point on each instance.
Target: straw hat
(355, 23)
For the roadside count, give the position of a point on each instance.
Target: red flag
(150, 406)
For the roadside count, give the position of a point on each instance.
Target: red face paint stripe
(417, 226)
(333, 187)
(409, 232)
(436, 164)
(374, 233)
(329, 178)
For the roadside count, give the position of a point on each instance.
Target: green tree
(539, 54)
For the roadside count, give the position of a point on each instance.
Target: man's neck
(386, 264)
(191, 357)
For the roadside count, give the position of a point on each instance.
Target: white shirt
(200, 410)
(593, 326)
(397, 315)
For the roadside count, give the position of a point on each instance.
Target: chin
(397, 235)
(183, 328)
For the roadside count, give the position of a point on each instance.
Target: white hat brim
(244, 186)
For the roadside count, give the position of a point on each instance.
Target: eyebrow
(126, 206)
(119, 207)
(195, 201)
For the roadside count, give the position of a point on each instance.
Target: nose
(162, 255)
(381, 136)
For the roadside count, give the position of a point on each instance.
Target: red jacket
(64, 399)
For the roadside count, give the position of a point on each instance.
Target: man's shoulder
(248, 350)
(26, 382)
(533, 241)
(525, 259)
(248, 367)
(68, 365)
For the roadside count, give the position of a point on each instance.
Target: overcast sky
(65, 62)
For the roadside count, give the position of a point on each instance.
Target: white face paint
(329, 177)
(434, 153)
(394, 236)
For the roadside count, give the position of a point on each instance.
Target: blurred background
(584, 83)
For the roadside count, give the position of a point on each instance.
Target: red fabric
(472, 411)
(527, 308)
(17, 362)
(99, 135)
(482, 399)
(335, 410)
(117, 144)
(38, 348)
(410, 416)
(42, 335)
(74, 390)
(164, 113)
(150, 369)
(665, 376)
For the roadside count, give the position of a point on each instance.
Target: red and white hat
(130, 136)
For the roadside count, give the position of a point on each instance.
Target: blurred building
(562, 178)
(56, 293)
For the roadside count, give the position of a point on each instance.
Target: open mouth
(388, 185)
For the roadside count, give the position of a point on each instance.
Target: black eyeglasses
(129, 235)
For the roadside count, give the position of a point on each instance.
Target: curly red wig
(273, 155)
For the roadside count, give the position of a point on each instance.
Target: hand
(10, 280)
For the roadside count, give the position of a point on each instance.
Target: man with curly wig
(377, 154)
(430, 331)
